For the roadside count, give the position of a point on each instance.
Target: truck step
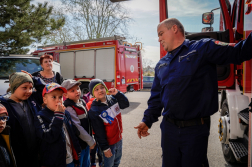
(244, 115)
(240, 151)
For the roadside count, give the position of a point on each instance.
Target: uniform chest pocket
(187, 63)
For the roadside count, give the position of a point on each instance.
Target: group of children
(47, 132)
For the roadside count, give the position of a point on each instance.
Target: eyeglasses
(4, 118)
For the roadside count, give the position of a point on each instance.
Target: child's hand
(108, 153)
(113, 91)
(60, 108)
(93, 146)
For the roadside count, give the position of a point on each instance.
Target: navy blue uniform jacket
(185, 84)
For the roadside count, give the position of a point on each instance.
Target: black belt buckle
(181, 124)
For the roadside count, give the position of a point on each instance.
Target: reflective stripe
(181, 57)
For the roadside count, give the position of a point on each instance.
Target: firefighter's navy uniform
(186, 89)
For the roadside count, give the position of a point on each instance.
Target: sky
(145, 14)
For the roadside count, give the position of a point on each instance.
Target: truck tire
(84, 88)
(227, 152)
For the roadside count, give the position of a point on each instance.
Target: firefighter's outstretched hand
(113, 91)
(142, 130)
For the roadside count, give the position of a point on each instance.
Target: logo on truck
(132, 68)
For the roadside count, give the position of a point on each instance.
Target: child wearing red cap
(60, 146)
(7, 158)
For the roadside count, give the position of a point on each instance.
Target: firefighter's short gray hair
(173, 21)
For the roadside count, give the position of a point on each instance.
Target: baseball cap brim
(45, 91)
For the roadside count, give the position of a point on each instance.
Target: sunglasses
(4, 118)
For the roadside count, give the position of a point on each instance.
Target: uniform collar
(173, 53)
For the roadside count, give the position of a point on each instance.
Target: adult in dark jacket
(47, 74)
(22, 105)
(185, 92)
(7, 158)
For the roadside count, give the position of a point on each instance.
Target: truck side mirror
(207, 29)
(208, 18)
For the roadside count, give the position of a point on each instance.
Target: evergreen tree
(22, 23)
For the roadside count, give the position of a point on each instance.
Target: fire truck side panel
(85, 64)
(105, 64)
(66, 61)
(131, 67)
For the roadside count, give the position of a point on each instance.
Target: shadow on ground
(133, 105)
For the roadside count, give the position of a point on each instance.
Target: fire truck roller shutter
(84, 64)
(105, 64)
(67, 64)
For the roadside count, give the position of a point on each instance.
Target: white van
(11, 64)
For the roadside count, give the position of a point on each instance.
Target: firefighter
(185, 87)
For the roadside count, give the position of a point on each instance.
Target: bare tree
(97, 18)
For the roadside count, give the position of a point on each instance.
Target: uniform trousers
(184, 146)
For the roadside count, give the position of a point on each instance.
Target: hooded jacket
(18, 139)
(108, 130)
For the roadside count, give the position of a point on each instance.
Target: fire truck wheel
(84, 88)
(227, 152)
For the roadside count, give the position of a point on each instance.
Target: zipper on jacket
(120, 136)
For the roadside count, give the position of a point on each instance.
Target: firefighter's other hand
(108, 153)
(113, 91)
(93, 146)
(142, 130)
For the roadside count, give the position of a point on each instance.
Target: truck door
(66, 60)
(84, 63)
(131, 68)
(105, 64)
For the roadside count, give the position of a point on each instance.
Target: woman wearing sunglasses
(7, 158)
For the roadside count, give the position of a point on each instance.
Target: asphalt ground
(146, 152)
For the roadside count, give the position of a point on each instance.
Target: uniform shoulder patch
(223, 43)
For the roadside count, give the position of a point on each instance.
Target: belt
(191, 122)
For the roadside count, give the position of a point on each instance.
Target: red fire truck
(116, 62)
(233, 80)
